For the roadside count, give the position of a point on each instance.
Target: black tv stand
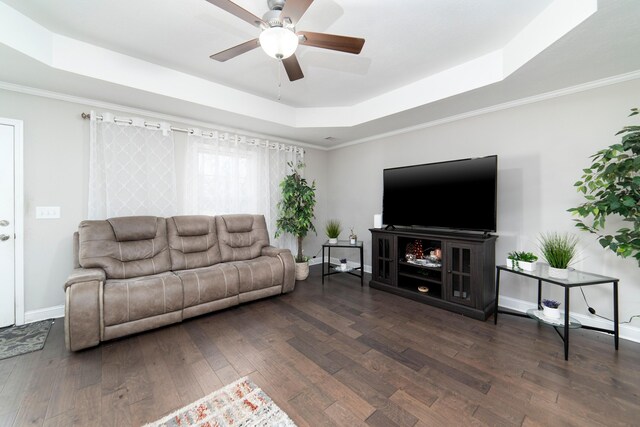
(461, 281)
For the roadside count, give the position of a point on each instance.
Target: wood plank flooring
(335, 355)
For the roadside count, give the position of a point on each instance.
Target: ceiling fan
(279, 39)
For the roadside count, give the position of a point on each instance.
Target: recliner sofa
(138, 273)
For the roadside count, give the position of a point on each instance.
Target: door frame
(18, 215)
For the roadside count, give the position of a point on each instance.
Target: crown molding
(499, 107)
(94, 103)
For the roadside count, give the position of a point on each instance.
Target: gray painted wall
(542, 148)
(56, 172)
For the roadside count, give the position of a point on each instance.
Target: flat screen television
(457, 195)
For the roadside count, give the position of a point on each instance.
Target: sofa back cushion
(125, 247)
(193, 241)
(241, 236)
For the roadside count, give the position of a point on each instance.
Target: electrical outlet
(47, 212)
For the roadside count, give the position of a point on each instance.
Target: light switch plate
(47, 212)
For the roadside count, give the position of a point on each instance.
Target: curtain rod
(225, 135)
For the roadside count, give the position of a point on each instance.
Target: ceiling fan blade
(232, 52)
(236, 10)
(331, 41)
(294, 9)
(292, 67)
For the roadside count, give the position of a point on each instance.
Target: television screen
(457, 194)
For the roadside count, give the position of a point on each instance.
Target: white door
(7, 225)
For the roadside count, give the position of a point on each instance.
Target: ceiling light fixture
(278, 42)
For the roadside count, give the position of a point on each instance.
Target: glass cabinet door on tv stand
(459, 273)
(383, 248)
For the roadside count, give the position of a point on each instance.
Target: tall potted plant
(295, 212)
(558, 250)
(611, 187)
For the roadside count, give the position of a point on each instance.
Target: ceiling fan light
(278, 42)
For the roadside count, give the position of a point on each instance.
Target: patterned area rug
(16, 340)
(239, 404)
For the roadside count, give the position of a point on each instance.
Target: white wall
(542, 148)
(56, 171)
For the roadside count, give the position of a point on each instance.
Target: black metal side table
(576, 279)
(333, 269)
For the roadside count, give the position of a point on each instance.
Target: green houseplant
(333, 228)
(611, 187)
(522, 260)
(295, 212)
(558, 250)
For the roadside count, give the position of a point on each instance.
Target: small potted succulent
(333, 228)
(522, 260)
(353, 237)
(343, 264)
(550, 308)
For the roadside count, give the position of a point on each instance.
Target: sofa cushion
(202, 285)
(109, 244)
(259, 273)
(126, 300)
(128, 228)
(193, 241)
(242, 236)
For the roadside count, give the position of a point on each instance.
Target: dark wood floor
(338, 355)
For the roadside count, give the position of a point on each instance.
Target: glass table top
(576, 277)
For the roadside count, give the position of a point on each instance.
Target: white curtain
(132, 169)
(226, 176)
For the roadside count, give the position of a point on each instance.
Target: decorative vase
(553, 313)
(343, 266)
(353, 240)
(558, 273)
(302, 270)
(333, 240)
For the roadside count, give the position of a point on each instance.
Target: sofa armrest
(80, 275)
(82, 308)
(289, 279)
(273, 251)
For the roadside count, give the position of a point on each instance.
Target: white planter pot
(343, 266)
(353, 241)
(526, 266)
(553, 313)
(333, 241)
(558, 273)
(302, 270)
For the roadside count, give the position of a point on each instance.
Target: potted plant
(343, 264)
(550, 308)
(522, 260)
(353, 237)
(611, 188)
(333, 228)
(558, 250)
(295, 212)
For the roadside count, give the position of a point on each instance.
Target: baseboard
(627, 332)
(54, 312)
(318, 260)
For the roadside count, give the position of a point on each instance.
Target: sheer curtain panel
(132, 168)
(226, 176)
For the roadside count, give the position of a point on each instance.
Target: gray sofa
(138, 273)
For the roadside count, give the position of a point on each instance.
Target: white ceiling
(422, 60)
